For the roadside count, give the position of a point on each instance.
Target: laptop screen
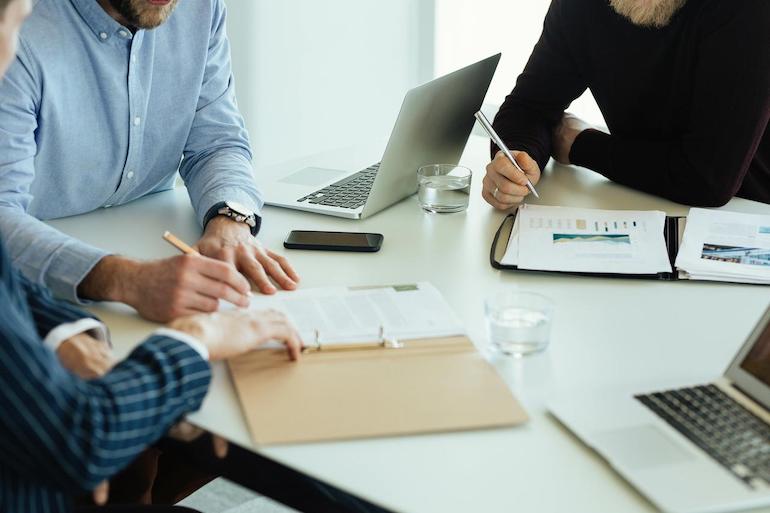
(757, 361)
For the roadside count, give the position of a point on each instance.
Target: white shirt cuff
(191, 341)
(62, 332)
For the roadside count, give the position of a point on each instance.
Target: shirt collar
(101, 24)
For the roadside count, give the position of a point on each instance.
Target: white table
(606, 332)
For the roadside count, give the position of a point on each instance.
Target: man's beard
(647, 13)
(142, 14)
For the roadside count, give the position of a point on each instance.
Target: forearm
(45, 255)
(113, 278)
(696, 176)
(74, 433)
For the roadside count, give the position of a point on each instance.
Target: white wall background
(466, 31)
(315, 75)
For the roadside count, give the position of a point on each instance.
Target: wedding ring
(494, 193)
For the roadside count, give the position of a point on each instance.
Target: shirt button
(130, 175)
(123, 33)
(103, 35)
(107, 206)
(137, 121)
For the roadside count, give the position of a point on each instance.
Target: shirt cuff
(191, 341)
(62, 332)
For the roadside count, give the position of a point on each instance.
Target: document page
(342, 315)
(590, 240)
(726, 246)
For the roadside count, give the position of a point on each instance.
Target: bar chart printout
(588, 240)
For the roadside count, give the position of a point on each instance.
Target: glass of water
(443, 188)
(518, 322)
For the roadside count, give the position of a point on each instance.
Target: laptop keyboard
(736, 438)
(350, 192)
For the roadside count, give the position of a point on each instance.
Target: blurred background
(313, 76)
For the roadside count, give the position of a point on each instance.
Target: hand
(230, 241)
(186, 432)
(236, 332)
(162, 290)
(85, 356)
(564, 135)
(504, 186)
(101, 493)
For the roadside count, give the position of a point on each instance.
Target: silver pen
(500, 144)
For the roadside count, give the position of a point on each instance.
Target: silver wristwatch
(238, 213)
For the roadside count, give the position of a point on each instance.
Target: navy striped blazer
(61, 435)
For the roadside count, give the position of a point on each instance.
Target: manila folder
(429, 385)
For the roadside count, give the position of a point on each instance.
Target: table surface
(607, 332)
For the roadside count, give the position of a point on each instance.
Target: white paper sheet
(354, 315)
(589, 240)
(726, 246)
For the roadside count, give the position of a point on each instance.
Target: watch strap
(214, 211)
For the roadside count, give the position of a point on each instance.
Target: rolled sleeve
(216, 165)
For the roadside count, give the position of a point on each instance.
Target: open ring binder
(383, 342)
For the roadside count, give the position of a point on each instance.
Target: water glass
(443, 188)
(518, 322)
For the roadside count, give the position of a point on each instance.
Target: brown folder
(427, 385)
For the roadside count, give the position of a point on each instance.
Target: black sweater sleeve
(550, 81)
(730, 106)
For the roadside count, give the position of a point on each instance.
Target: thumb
(102, 493)
(527, 163)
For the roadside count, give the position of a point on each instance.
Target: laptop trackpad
(641, 447)
(313, 176)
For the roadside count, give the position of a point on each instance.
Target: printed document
(726, 246)
(588, 240)
(340, 315)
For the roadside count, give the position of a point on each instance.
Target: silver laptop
(704, 448)
(433, 126)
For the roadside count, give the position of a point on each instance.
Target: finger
(285, 265)
(505, 188)
(256, 273)
(275, 271)
(528, 165)
(213, 289)
(102, 493)
(503, 167)
(224, 272)
(492, 201)
(185, 431)
(220, 447)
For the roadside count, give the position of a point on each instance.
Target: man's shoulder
(48, 25)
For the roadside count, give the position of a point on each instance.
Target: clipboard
(410, 387)
(673, 230)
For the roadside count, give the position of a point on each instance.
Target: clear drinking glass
(443, 188)
(518, 322)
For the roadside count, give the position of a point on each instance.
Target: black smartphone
(334, 241)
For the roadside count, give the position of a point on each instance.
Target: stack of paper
(588, 241)
(726, 246)
(351, 315)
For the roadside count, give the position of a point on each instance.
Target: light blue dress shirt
(94, 116)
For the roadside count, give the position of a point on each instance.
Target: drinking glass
(518, 322)
(443, 188)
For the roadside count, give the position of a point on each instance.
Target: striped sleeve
(48, 312)
(69, 433)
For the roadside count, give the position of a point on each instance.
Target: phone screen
(357, 240)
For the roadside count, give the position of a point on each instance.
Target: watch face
(239, 209)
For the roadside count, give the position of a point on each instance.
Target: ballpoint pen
(500, 144)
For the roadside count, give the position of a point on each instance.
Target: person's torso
(115, 108)
(643, 78)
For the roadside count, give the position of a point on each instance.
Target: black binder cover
(671, 233)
